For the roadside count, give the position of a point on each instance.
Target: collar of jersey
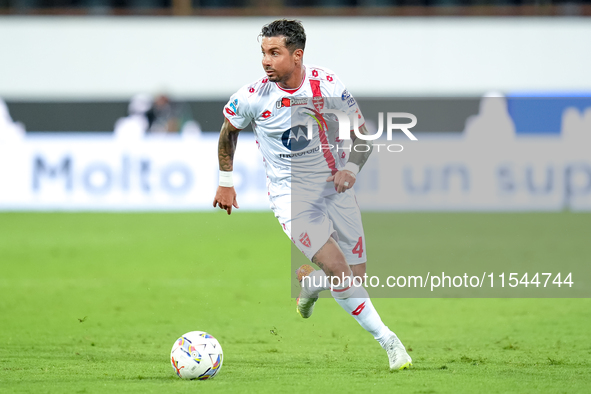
(292, 91)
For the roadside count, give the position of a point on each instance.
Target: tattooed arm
(225, 197)
(345, 178)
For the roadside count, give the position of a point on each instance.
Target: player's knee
(358, 269)
(331, 259)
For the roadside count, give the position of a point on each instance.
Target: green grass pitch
(92, 303)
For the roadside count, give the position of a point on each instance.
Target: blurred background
(292, 7)
(117, 104)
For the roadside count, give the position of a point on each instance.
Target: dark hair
(292, 30)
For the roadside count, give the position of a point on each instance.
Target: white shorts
(309, 222)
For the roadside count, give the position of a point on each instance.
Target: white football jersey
(281, 118)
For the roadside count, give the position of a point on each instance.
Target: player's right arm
(225, 197)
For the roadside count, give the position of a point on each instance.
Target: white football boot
(399, 358)
(306, 300)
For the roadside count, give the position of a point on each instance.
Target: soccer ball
(196, 355)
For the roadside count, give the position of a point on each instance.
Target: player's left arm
(345, 178)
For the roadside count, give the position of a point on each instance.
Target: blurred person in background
(9, 130)
(135, 125)
(166, 117)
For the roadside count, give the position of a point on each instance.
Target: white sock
(356, 302)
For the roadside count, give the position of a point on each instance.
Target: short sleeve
(237, 111)
(344, 101)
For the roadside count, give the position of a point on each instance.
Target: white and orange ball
(196, 355)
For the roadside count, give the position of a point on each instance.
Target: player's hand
(225, 198)
(343, 180)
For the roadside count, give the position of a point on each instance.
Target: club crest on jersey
(289, 102)
(305, 240)
(318, 103)
(296, 138)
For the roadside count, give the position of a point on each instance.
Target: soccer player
(309, 183)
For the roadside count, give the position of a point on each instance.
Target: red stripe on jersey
(315, 85)
(290, 91)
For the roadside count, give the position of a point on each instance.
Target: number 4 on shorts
(358, 249)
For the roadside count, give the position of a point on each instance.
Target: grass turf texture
(93, 303)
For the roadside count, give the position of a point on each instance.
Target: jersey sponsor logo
(329, 78)
(234, 105)
(314, 73)
(346, 96)
(266, 114)
(298, 154)
(296, 138)
(284, 102)
(251, 90)
(230, 112)
(288, 102)
(305, 240)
